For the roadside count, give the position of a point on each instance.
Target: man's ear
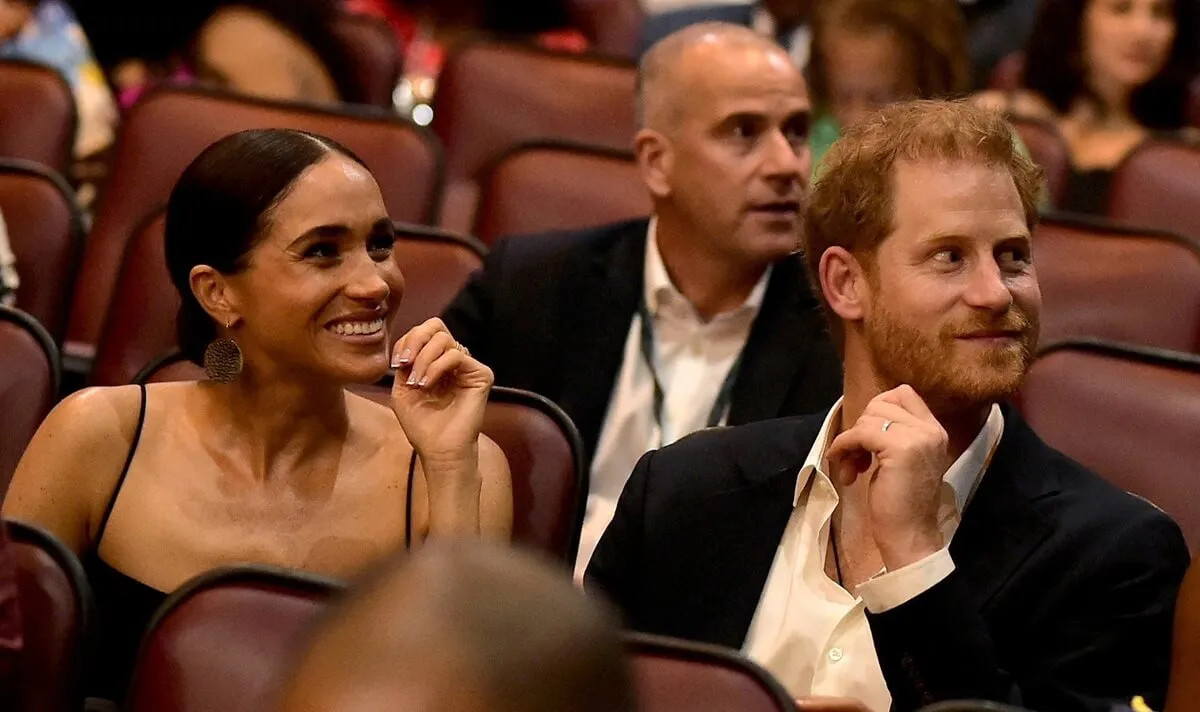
(215, 294)
(655, 161)
(844, 283)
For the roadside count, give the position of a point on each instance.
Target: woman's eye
(321, 250)
(381, 247)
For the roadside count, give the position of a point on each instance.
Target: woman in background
(1109, 74)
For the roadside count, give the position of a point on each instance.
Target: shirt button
(835, 654)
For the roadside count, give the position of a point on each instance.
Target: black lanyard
(724, 396)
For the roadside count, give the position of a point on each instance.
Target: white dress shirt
(808, 630)
(692, 358)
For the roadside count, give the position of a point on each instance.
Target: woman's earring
(223, 360)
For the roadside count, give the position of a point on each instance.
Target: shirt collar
(658, 286)
(963, 476)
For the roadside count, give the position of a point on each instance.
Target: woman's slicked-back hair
(221, 206)
(1054, 63)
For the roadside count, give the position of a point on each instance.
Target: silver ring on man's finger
(887, 424)
(464, 349)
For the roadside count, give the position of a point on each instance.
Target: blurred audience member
(280, 247)
(870, 53)
(1183, 692)
(281, 49)
(648, 330)
(996, 28)
(1109, 74)
(46, 32)
(464, 629)
(787, 21)
(918, 542)
(9, 280)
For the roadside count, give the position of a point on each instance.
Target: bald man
(699, 315)
(463, 628)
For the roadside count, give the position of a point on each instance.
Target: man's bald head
(464, 628)
(669, 71)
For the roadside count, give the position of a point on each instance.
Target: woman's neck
(279, 426)
(1108, 106)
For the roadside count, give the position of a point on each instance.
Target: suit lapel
(781, 345)
(734, 535)
(597, 310)
(1000, 528)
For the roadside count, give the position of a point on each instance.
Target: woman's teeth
(354, 328)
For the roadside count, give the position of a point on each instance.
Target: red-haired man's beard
(950, 373)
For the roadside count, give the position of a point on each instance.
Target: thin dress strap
(112, 500)
(412, 469)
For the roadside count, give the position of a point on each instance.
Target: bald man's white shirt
(692, 357)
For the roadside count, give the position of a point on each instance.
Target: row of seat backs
(226, 639)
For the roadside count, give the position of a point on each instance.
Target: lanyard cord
(724, 395)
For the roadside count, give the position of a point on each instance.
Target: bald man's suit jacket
(550, 313)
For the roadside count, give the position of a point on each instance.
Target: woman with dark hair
(1109, 74)
(870, 53)
(280, 246)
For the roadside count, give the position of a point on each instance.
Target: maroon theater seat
(224, 640)
(1130, 414)
(29, 378)
(46, 235)
(558, 186)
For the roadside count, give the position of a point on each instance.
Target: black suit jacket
(1061, 598)
(550, 313)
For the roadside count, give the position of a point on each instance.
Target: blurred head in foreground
(463, 628)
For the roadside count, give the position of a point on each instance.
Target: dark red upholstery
(614, 27)
(224, 640)
(56, 606)
(1101, 281)
(37, 115)
(545, 457)
(680, 676)
(372, 55)
(46, 236)
(29, 373)
(141, 325)
(167, 129)
(1158, 185)
(494, 96)
(141, 321)
(557, 186)
(1006, 75)
(1130, 415)
(1049, 150)
(436, 265)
